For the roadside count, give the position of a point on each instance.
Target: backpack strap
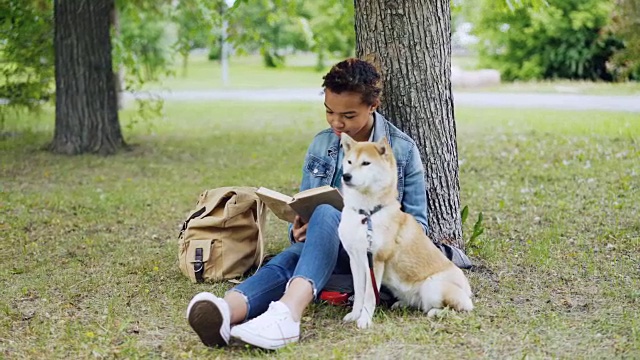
(194, 215)
(261, 222)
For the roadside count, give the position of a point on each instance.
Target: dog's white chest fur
(353, 230)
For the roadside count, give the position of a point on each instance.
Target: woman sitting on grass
(269, 305)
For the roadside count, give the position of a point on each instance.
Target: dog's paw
(434, 312)
(364, 321)
(352, 316)
(399, 305)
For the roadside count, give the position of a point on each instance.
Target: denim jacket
(321, 164)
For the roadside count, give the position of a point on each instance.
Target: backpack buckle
(198, 266)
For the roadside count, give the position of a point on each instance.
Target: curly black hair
(355, 75)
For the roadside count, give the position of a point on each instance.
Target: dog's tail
(456, 298)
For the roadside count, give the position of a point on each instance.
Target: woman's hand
(299, 230)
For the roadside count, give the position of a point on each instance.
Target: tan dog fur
(405, 259)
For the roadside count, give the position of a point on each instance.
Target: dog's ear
(383, 146)
(346, 142)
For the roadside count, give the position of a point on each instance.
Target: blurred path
(471, 99)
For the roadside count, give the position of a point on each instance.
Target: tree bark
(86, 102)
(411, 41)
(114, 19)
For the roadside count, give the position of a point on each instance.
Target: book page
(278, 203)
(305, 202)
(313, 191)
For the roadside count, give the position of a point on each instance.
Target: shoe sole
(206, 320)
(245, 339)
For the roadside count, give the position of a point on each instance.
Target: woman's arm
(304, 185)
(414, 196)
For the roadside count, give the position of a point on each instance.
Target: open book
(303, 203)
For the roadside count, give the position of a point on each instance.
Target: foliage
(625, 24)
(27, 50)
(467, 10)
(215, 49)
(473, 242)
(562, 39)
(143, 47)
(276, 28)
(140, 44)
(26, 54)
(140, 52)
(332, 25)
(198, 23)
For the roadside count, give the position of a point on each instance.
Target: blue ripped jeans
(314, 260)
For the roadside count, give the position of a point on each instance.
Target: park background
(547, 116)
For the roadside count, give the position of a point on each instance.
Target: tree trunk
(119, 71)
(411, 41)
(86, 103)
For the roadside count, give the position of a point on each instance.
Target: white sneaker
(209, 316)
(271, 330)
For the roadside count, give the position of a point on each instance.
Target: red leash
(367, 221)
(373, 277)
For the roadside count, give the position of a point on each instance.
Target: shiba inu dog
(404, 259)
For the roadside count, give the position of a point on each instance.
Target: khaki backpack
(223, 237)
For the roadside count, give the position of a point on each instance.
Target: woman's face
(346, 113)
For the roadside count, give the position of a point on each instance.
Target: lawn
(247, 72)
(88, 251)
(567, 87)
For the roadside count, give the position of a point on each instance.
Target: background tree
(332, 25)
(274, 28)
(151, 34)
(411, 39)
(142, 51)
(625, 24)
(198, 27)
(558, 39)
(86, 104)
(26, 53)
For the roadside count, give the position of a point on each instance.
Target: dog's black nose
(346, 177)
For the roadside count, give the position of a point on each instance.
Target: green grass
(88, 247)
(245, 72)
(566, 87)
